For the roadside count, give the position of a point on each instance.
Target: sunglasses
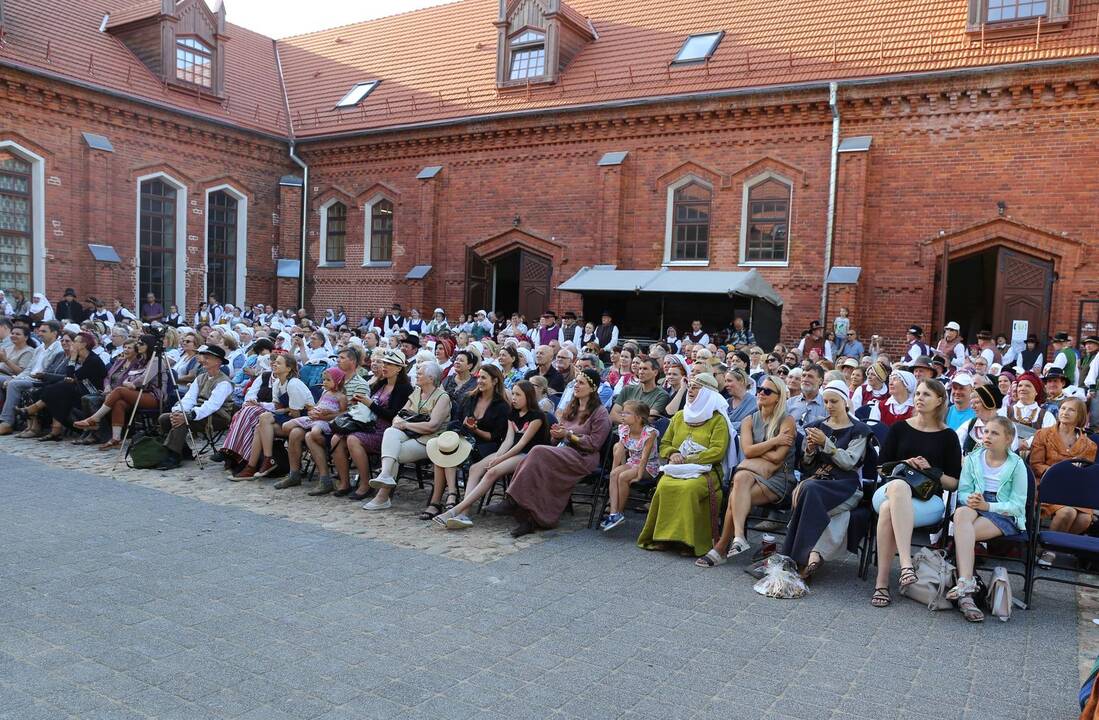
(765, 391)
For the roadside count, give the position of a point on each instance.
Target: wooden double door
(514, 281)
(993, 288)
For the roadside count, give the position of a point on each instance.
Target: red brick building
(486, 151)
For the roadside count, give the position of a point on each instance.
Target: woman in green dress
(684, 510)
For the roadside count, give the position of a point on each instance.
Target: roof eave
(699, 96)
(110, 92)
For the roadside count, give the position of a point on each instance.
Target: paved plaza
(153, 596)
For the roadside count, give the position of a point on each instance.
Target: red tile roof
(139, 11)
(62, 37)
(439, 63)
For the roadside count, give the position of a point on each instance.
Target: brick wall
(91, 195)
(943, 155)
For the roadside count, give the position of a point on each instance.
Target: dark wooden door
(478, 283)
(535, 272)
(1024, 287)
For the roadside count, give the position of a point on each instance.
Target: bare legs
(894, 530)
(1070, 520)
(294, 445)
(969, 529)
(747, 491)
(481, 483)
(622, 476)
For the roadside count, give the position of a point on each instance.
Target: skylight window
(357, 94)
(698, 47)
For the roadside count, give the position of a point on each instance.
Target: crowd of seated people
(715, 425)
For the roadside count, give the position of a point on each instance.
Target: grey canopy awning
(708, 282)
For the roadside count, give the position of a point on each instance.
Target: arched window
(690, 239)
(16, 222)
(221, 245)
(157, 241)
(528, 55)
(194, 62)
(767, 231)
(381, 231)
(335, 239)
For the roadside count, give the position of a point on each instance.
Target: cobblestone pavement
(123, 601)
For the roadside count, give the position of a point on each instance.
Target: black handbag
(410, 417)
(346, 425)
(924, 484)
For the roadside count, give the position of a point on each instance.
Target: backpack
(145, 453)
(934, 576)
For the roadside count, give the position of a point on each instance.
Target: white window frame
(38, 212)
(368, 216)
(669, 222)
(182, 216)
(242, 243)
(748, 185)
(322, 251)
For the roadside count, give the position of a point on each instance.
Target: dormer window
(528, 55)
(194, 62)
(697, 48)
(1015, 18)
(1000, 10)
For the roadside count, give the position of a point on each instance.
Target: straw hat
(448, 450)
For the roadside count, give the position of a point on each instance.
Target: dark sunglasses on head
(766, 391)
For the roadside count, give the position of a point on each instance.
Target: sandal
(812, 567)
(449, 503)
(969, 609)
(881, 597)
(908, 576)
(85, 424)
(112, 443)
(711, 559)
(50, 438)
(738, 546)
(428, 513)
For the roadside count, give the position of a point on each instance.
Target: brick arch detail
(233, 182)
(23, 141)
(1008, 232)
(164, 168)
(378, 188)
(491, 248)
(688, 168)
(765, 164)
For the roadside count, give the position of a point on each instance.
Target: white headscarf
(702, 408)
(39, 303)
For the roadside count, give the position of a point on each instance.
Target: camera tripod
(158, 358)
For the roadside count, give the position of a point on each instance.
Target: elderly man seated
(207, 404)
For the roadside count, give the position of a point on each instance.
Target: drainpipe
(833, 91)
(304, 223)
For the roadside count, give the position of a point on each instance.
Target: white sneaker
(459, 522)
(382, 482)
(373, 504)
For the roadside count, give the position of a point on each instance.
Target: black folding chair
(1023, 543)
(593, 489)
(1074, 483)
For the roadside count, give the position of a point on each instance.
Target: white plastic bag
(780, 579)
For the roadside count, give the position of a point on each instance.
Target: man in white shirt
(607, 332)
(916, 346)
(208, 403)
(952, 346)
(49, 357)
(120, 312)
(570, 329)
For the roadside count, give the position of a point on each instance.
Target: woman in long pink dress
(542, 486)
